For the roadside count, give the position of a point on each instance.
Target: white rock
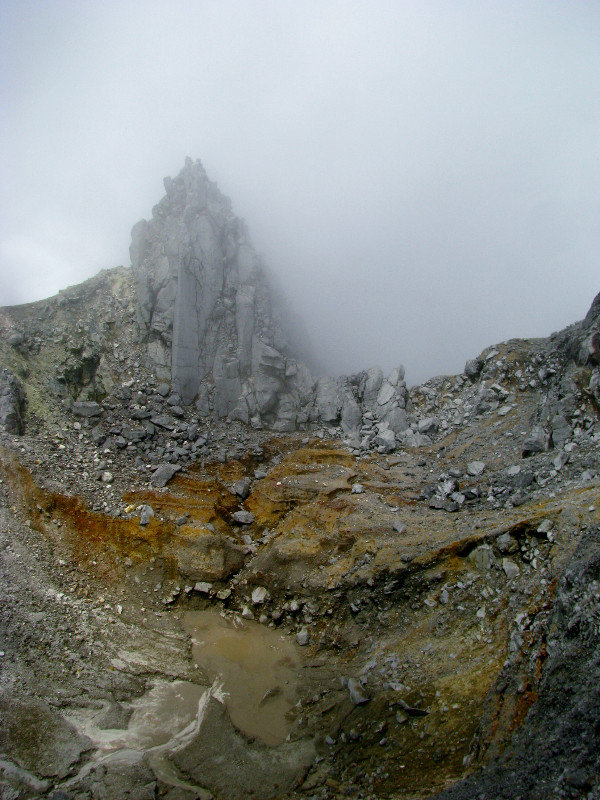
(302, 637)
(386, 393)
(259, 595)
(510, 568)
(475, 468)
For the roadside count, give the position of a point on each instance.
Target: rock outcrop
(204, 303)
(13, 403)
(214, 330)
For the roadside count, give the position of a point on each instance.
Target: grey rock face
(214, 331)
(202, 296)
(13, 403)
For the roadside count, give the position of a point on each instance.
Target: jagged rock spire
(202, 293)
(213, 328)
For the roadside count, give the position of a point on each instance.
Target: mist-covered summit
(215, 326)
(203, 298)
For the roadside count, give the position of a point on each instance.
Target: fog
(424, 178)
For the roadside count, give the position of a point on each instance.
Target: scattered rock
(511, 570)
(86, 408)
(475, 468)
(357, 695)
(163, 474)
(243, 517)
(536, 442)
(259, 595)
(303, 637)
(146, 513)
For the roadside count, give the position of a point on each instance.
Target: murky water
(254, 671)
(257, 666)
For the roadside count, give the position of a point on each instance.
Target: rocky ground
(439, 588)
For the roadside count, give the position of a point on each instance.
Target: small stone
(473, 368)
(163, 474)
(475, 468)
(146, 513)
(545, 526)
(482, 557)
(428, 425)
(246, 613)
(241, 488)
(357, 488)
(203, 587)
(107, 477)
(560, 460)
(536, 442)
(510, 568)
(86, 408)
(259, 595)
(243, 517)
(507, 544)
(399, 527)
(302, 637)
(356, 692)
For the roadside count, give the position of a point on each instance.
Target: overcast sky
(424, 177)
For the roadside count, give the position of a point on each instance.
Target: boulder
(163, 474)
(38, 738)
(203, 555)
(473, 368)
(86, 408)
(536, 442)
